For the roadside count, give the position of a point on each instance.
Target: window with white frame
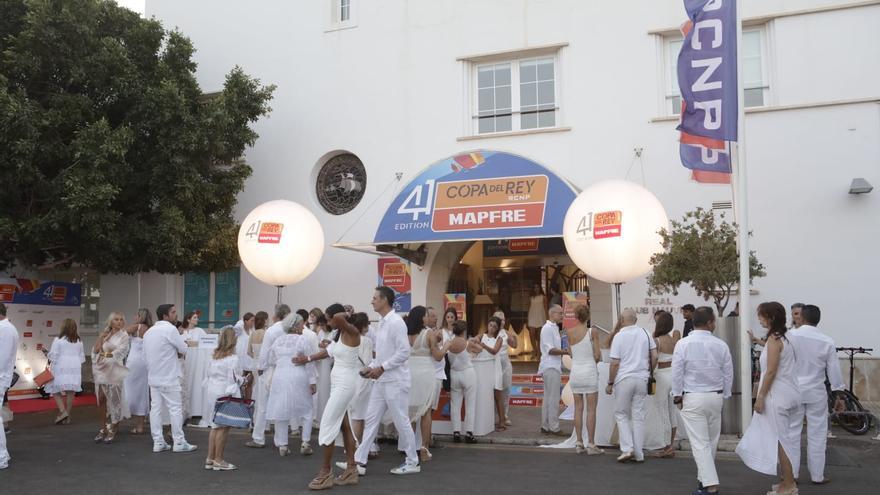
(341, 14)
(516, 95)
(754, 74)
(344, 10)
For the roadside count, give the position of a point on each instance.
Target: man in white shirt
(816, 359)
(550, 369)
(163, 344)
(258, 436)
(632, 352)
(8, 349)
(702, 377)
(391, 391)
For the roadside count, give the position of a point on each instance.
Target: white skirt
(343, 386)
(661, 414)
(779, 424)
(421, 391)
(584, 379)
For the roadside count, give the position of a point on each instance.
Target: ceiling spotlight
(860, 186)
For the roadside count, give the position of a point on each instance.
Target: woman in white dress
(463, 380)
(67, 357)
(508, 340)
(343, 386)
(357, 409)
(291, 387)
(137, 390)
(584, 379)
(661, 420)
(537, 314)
(190, 330)
(224, 379)
(772, 439)
(259, 392)
(491, 342)
(422, 372)
(109, 373)
(243, 329)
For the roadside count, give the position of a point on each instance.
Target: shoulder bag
(652, 383)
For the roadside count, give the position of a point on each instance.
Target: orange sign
(490, 203)
(270, 233)
(7, 292)
(607, 224)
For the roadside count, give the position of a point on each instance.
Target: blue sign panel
(478, 195)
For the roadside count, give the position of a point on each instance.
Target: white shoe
(407, 468)
(362, 471)
(624, 457)
(185, 447)
(283, 451)
(305, 449)
(161, 447)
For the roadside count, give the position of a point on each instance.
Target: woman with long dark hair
(661, 420)
(190, 330)
(491, 342)
(772, 440)
(137, 388)
(464, 381)
(67, 357)
(422, 371)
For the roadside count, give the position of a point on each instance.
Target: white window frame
(666, 55)
(333, 15)
(473, 126)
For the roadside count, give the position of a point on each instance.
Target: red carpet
(40, 405)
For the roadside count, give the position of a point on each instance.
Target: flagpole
(740, 200)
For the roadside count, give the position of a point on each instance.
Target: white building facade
(586, 89)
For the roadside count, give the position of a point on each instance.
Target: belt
(106, 354)
(709, 392)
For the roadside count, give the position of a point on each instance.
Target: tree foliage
(701, 251)
(111, 157)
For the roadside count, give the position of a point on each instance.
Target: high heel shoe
(111, 434)
(469, 437)
(100, 436)
(424, 455)
(322, 482)
(456, 437)
(348, 477)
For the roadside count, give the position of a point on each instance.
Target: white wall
(390, 90)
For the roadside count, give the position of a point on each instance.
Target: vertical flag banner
(395, 273)
(457, 301)
(707, 78)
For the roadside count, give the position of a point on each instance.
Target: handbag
(652, 383)
(234, 412)
(43, 378)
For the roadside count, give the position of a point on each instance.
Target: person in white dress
(661, 421)
(66, 356)
(137, 389)
(190, 329)
(224, 379)
(584, 379)
(438, 360)
(773, 438)
(357, 410)
(343, 387)
(8, 350)
(702, 377)
(491, 343)
(264, 374)
(318, 325)
(633, 355)
(422, 371)
(291, 387)
(463, 380)
(817, 358)
(508, 340)
(109, 373)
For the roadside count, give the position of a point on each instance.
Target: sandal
(424, 455)
(500, 428)
(61, 418)
(579, 447)
(456, 437)
(348, 477)
(111, 434)
(469, 437)
(322, 482)
(100, 436)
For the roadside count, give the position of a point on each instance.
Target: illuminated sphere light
(611, 230)
(280, 242)
(567, 395)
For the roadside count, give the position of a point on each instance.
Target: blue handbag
(233, 412)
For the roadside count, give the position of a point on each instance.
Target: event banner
(550, 246)
(570, 301)
(226, 297)
(478, 195)
(457, 301)
(196, 294)
(396, 273)
(36, 308)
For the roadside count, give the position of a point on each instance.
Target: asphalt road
(63, 459)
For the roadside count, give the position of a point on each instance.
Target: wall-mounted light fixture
(860, 186)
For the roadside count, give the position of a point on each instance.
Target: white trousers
(817, 435)
(701, 415)
(629, 412)
(261, 395)
(550, 403)
(282, 434)
(4, 454)
(171, 398)
(463, 385)
(394, 398)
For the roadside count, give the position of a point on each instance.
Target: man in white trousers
(816, 359)
(163, 345)
(8, 349)
(633, 354)
(391, 391)
(550, 369)
(258, 436)
(702, 377)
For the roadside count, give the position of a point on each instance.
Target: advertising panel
(396, 273)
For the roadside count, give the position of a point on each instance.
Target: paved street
(78, 466)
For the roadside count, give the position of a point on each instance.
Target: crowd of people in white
(334, 370)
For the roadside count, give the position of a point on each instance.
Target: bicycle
(852, 416)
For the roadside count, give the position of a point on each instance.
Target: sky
(135, 5)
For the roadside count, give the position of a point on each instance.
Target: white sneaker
(185, 447)
(161, 447)
(362, 471)
(305, 449)
(407, 468)
(4, 465)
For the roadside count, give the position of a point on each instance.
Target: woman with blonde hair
(67, 357)
(584, 379)
(109, 372)
(137, 389)
(224, 379)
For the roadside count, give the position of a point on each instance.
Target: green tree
(701, 251)
(111, 157)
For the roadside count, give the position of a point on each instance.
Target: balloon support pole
(280, 288)
(617, 298)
